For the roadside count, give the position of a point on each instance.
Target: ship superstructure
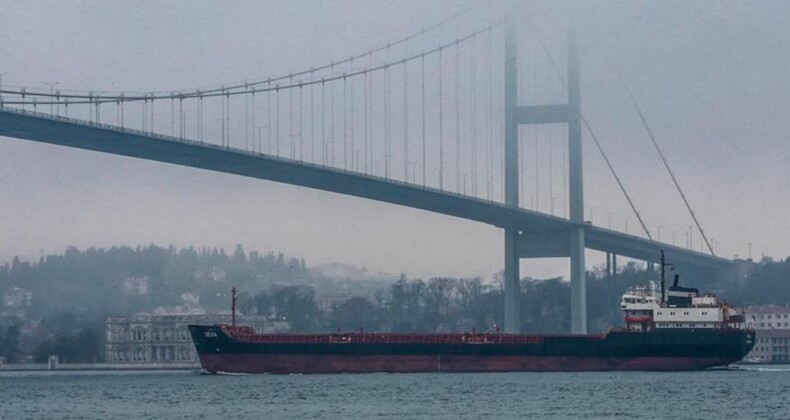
(650, 307)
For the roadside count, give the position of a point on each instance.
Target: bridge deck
(80, 134)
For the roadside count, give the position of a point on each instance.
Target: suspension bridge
(429, 122)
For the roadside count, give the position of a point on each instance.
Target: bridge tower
(564, 243)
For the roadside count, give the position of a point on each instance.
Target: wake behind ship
(678, 330)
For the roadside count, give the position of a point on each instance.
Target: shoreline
(37, 367)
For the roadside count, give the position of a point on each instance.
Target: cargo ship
(664, 330)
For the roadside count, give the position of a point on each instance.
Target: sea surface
(748, 392)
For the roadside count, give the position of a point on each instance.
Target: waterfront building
(15, 302)
(772, 326)
(164, 337)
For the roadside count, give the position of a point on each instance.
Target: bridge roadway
(543, 235)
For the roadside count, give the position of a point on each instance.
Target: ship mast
(664, 265)
(663, 269)
(233, 307)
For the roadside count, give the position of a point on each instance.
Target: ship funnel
(675, 282)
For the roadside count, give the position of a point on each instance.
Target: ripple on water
(748, 392)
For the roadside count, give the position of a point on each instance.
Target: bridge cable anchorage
(638, 110)
(590, 130)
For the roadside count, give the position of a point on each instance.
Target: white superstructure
(681, 307)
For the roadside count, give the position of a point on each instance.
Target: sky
(711, 77)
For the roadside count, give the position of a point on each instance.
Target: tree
(296, 304)
(239, 256)
(246, 304)
(356, 312)
(12, 348)
(263, 303)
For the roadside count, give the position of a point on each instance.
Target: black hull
(660, 350)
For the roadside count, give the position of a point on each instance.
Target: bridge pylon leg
(512, 283)
(578, 283)
(512, 280)
(576, 193)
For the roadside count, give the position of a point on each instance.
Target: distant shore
(98, 366)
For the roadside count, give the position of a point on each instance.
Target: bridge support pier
(578, 283)
(614, 267)
(576, 193)
(512, 282)
(512, 276)
(608, 265)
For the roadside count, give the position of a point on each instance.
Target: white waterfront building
(164, 337)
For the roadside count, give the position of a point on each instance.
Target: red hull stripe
(289, 363)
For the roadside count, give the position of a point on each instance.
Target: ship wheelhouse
(682, 307)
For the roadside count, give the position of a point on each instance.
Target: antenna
(233, 307)
(663, 270)
(664, 265)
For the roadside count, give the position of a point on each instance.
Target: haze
(711, 76)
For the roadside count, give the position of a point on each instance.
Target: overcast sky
(712, 77)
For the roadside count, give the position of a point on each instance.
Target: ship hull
(668, 351)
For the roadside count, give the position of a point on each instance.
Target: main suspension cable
(592, 135)
(666, 164)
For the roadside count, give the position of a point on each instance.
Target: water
(745, 393)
